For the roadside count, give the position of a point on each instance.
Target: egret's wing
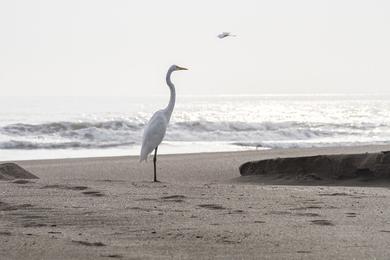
(154, 133)
(226, 34)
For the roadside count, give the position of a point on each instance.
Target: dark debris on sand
(86, 243)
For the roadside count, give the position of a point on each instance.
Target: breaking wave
(122, 133)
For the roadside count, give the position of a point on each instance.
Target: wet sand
(108, 208)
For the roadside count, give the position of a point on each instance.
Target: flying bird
(155, 129)
(225, 34)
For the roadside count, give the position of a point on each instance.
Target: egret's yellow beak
(181, 68)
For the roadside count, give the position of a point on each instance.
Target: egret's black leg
(155, 162)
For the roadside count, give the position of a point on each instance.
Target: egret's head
(175, 68)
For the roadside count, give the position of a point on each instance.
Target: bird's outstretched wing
(153, 134)
(225, 34)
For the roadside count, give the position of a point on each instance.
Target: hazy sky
(123, 48)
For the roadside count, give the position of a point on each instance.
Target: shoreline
(165, 149)
(326, 150)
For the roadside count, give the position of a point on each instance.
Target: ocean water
(54, 127)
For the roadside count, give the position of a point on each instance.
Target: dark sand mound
(364, 167)
(12, 171)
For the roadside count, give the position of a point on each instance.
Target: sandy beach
(102, 208)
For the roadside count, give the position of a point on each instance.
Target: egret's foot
(156, 181)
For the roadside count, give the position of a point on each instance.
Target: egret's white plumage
(156, 128)
(154, 133)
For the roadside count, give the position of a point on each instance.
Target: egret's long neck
(172, 98)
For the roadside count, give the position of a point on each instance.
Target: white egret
(225, 34)
(154, 131)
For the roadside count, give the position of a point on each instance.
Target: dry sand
(105, 208)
